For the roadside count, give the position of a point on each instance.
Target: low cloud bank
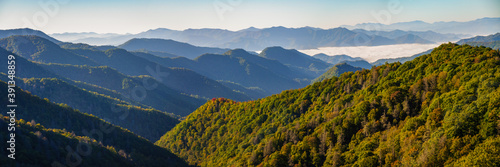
(373, 53)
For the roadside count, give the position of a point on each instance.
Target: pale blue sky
(133, 16)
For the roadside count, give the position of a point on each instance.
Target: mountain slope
(249, 70)
(169, 46)
(138, 150)
(336, 71)
(439, 109)
(42, 50)
(359, 63)
(400, 59)
(28, 69)
(24, 68)
(148, 123)
(303, 38)
(427, 35)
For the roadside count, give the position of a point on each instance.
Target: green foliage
(240, 67)
(335, 71)
(161, 97)
(494, 45)
(61, 116)
(42, 50)
(441, 109)
(38, 146)
(148, 123)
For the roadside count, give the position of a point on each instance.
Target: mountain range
(482, 26)
(273, 70)
(336, 71)
(254, 39)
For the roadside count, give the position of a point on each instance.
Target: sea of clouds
(373, 53)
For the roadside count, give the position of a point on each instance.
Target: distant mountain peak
(249, 29)
(236, 52)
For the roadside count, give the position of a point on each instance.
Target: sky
(134, 16)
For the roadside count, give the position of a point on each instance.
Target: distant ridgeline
(492, 41)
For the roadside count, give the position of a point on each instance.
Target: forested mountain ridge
(492, 41)
(336, 71)
(240, 67)
(440, 109)
(39, 49)
(169, 46)
(148, 123)
(61, 118)
(185, 81)
(39, 146)
(296, 60)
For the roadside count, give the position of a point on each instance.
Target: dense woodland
(441, 109)
(67, 127)
(336, 71)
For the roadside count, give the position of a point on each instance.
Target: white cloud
(373, 53)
